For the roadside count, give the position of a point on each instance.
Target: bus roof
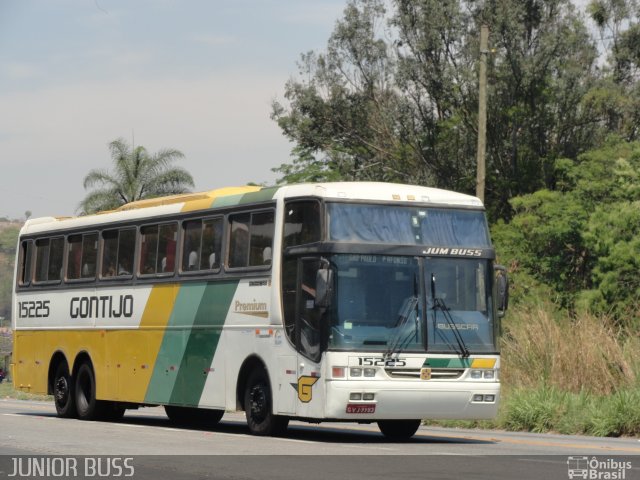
(231, 196)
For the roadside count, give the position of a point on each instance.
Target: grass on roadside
(566, 375)
(7, 391)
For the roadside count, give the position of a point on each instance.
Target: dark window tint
(211, 244)
(26, 251)
(261, 238)
(82, 256)
(117, 253)
(202, 245)
(301, 223)
(239, 241)
(251, 239)
(407, 225)
(158, 249)
(148, 249)
(49, 259)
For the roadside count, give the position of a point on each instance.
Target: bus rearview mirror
(324, 288)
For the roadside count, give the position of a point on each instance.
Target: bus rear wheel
(85, 393)
(193, 416)
(258, 405)
(63, 392)
(398, 429)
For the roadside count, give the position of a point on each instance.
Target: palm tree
(137, 175)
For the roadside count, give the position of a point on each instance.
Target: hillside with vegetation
(8, 240)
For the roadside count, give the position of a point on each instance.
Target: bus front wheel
(63, 392)
(398, 429)
(258, 405)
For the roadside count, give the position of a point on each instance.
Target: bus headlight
(369, 372)
(355, 372)
(484, 374)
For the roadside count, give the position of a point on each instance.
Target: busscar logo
(597, 469)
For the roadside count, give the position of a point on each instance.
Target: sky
(195, 75)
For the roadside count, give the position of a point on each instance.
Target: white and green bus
(361, 302)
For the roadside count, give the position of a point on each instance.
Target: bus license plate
(352, 408)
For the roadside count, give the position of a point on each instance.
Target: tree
(137, 175)
(617, 96)
(581, 239)
(394, 96)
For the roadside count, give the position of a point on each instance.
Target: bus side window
(148, 250)
(55, 258)
(49, 259)
(109, 252)
(42, 259)
(74, 256)
(211, 244)
(117, 252)
(239, 240)
(26, 251)
(158, 249)
(167, 248)
(302, 223)
(89, 255)
(191, 248)
(82, 256)
(202, 244)
(126, 249)
(261, 239)
(251, 239)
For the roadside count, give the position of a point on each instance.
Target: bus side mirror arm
(502, 289)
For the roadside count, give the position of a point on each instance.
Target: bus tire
(64, 392)
(86, 404)
(258, 406)
(110, 411)
(201, 417)
(398, 429)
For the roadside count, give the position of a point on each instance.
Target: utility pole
(482, 112)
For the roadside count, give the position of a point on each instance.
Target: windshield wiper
(399, 341)
(438, 304)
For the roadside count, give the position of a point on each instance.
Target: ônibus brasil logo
(597, 469)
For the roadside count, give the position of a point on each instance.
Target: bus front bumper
(411, 400)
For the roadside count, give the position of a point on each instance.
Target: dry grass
(586, 354)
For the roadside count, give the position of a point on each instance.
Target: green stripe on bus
(203, 342)
(174, 342)
(259, 196)
(227, 201)
(448, 362)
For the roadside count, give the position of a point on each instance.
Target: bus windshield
(407, 225)
(392, 303)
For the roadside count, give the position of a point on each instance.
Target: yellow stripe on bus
(483, 363)
(123, 360)
(204, 203)
(138, 350)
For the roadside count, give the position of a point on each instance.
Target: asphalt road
(158, 449)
